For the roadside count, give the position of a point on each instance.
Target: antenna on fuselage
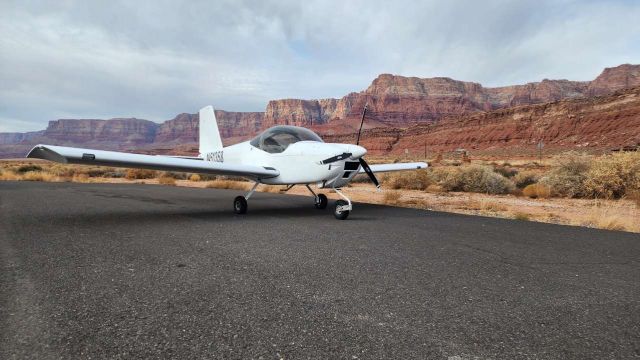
(364, 112)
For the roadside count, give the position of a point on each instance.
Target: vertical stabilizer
(210, 140)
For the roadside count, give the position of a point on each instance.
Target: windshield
(278, 138)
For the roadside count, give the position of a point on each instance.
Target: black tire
(321, 202)
(343, 214)
(240, 205)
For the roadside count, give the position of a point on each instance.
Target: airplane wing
(70, 155)
(395, 167)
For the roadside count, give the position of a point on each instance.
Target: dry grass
(525, 178)
(519, 215)
(269, 188)
(135, 174)
(81, 178)
(613, 176)
(410, 180)
(195, 177)
(166, 180)
(536, 191)
(9, 176)
(472, 178)
(228, 184)
(39, 176)
(485, 206)
(635, 197)
(391, 197)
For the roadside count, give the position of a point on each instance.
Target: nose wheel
(343, 207)
(341, 212)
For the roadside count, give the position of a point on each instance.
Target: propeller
(367, 169)
(363, 163)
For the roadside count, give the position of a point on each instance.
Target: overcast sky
(152, 60)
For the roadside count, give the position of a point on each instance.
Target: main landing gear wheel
(321, 201)
(240, 205)
(341, 214)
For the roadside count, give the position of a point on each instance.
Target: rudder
(210, 140)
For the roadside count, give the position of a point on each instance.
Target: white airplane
(281, 155)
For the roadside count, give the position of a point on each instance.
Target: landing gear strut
(240, 204)
(320, 199)
(343, 207)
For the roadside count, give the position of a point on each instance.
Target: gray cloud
(154, 59)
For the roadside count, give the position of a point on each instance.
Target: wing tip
(42, 151)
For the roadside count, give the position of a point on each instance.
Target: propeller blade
(336, 158)
(367, 169)
(361, 123)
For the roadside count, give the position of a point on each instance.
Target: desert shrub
(194, 177)
(228, 184)
(448, 178)
(506, 171)
(524, 179)
(27, 168)
(166, 180)
(634, 196)
(391, 197)
(97, 171)
(208, 177)
(116, 174)
(133, 174)
(535, 191)
(482, 179)
(568, 175)
(38, 176)
(410, 180)
(364, 178)
(472, 178)
(613, 176)
(63, 170)
(521, 216)
(80, 177)
(8, 175)
(175, 175)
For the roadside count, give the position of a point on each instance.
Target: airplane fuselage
(299, 163)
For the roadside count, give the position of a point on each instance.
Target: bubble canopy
(278, 138)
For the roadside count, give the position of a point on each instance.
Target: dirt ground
(608, 214)
(620, 214)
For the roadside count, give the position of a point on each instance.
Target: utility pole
(540, 146)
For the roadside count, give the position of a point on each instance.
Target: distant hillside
(607, 122)
(395, 102)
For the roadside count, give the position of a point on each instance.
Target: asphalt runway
(144, 271)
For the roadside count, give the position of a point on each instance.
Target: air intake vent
(351, 165)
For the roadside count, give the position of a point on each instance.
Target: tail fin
(210, 140)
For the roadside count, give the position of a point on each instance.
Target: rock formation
(395, 102)
(598, 123)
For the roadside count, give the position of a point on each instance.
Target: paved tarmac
(145, 271)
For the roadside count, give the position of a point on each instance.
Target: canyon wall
(395, 102)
